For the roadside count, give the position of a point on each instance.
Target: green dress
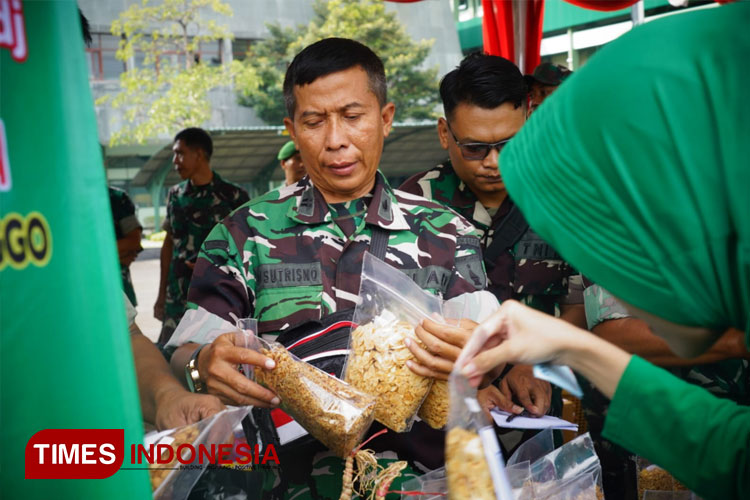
(647, 147)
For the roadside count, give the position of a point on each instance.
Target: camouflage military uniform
(192, 211)
(530, 272)
(289, 257)
(125, 220)
(726, 379)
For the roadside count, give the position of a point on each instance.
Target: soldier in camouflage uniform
(194, 207)
(724, 371)
(295, 254)
(483, 100)
(128, 234)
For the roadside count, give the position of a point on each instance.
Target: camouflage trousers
(173, 312)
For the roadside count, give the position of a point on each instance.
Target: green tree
(168, 90)
(413, 90)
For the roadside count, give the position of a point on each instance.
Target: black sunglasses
(477, 150)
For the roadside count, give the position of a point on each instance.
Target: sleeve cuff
(129, 223)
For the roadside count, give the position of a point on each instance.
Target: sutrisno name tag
(288, 274)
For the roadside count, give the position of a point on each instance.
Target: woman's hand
(519, 334)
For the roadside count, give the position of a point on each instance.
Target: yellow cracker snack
(377, 366)
(466, 467)
(434, 411)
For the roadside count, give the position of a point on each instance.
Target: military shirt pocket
(287, 294)
(539, 269)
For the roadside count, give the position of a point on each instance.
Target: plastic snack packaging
(473, 461)
(174, 480)
(332, 411)
(390, 307)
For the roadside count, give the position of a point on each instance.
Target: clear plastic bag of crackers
(390, 307)
(332, 411)
(177, 457)
(473, 462)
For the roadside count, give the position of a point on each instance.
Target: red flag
(501, 36)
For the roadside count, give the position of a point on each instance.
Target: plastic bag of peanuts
(390, 307)
(473, 462)
(332, 411)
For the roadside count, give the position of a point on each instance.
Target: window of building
(207, 53)
(240, 47)
(103, 65)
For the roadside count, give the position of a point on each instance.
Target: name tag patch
(286, 274)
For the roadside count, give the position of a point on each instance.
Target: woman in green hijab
(637, 170)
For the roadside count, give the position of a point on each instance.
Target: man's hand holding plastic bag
(217, 364)
(224, 348)
(176, 408)
(443, 344)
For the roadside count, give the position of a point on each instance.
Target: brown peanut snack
(434, 411)
(377, 366)
(159, 472)
(466, 468)
(332, 411)
(654, 478)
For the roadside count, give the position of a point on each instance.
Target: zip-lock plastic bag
(332, 411)
(180, 448)
(473, 461)
(561, 468)
(430, 486)
(534, 448)
(582, 486)
(390, 307)
(436, 406)
(653, 479)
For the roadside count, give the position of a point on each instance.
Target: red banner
(75, 453)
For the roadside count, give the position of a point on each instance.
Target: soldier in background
(543, 81)
(291, 163)
(484, 103)
(194, 207)
(128, 232)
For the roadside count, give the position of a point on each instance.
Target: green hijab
(637, 170)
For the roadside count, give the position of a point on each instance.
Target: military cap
(548, 74)
(287, 151)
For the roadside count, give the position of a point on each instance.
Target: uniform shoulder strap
(506, 234)
(379, 242)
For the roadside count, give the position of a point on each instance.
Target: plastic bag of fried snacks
(390, 307)
(179, 464)
(435, 408)
(473, 461)
(332, 411)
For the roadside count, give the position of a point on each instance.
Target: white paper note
(545, 422)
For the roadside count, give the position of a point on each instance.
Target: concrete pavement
(145, 274)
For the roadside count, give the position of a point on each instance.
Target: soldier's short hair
(195, 137)
(332, 55)
(482, 80)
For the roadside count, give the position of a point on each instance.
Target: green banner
(65, 354)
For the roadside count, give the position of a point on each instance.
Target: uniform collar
(466, 202)
(383, 210)
(215, 179)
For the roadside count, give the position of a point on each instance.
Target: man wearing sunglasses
(484, 100)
